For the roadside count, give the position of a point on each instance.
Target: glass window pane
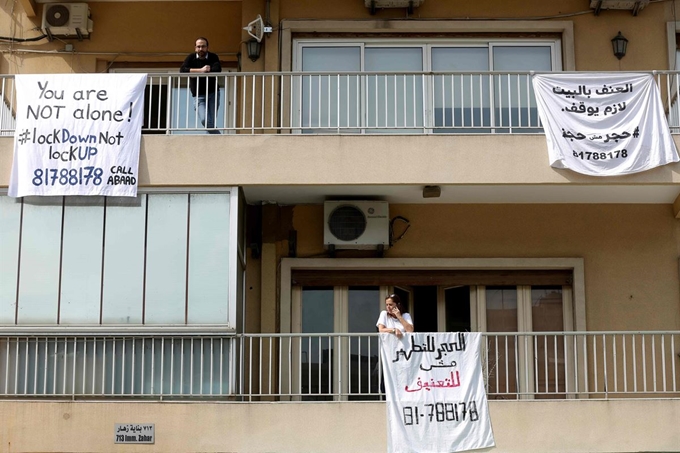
(547, 316)
(364, 309)
(316, 351)
(363, 312)
(81, 266)
(501, 316)
(40, 259)
(166, 258)
(208, 258)
(10, 221)
(546, 309)
(461, 100)
(183, 114)
(331, 58)
(501, 309)
(330, 101)
(394, 100)
(514, 95)
(124, 260)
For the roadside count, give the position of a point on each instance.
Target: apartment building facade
(227, 308)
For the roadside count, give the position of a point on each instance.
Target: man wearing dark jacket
(205, 90)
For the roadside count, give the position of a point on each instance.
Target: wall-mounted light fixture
(619, 45)
(253, 47)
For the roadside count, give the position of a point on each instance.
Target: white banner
(77, 134)
(436, 400)
(604, 124)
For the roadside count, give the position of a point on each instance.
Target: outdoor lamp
(619, 44)
(253, 46)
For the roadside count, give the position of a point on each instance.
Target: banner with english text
(604, 124)
(436, 401)
(77, 134)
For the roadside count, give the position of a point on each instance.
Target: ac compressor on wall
(67, 20)
(358, 225)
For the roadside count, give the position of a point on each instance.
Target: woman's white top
(393, 323)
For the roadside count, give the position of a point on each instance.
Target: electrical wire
(13, 40)
(403, 233)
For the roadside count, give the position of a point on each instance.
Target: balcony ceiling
(495, 194)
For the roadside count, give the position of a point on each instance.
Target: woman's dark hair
(397, 301)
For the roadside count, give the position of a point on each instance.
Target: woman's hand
(398, 333)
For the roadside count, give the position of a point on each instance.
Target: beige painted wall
(137, 27)
(364, 160)
(527, 427)
(629, 251)
(646, 32)
(120, 28)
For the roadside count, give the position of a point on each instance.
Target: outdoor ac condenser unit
(66, 20)
(362, 225)
(378, 4)
(634, 5)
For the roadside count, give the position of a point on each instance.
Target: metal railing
(143, 363)
(349, 103)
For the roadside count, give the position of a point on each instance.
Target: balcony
(203, 364)
(351, 103)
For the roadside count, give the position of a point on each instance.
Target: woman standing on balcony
(393, 319)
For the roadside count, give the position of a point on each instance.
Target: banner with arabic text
(77, 134)
(604, 124)
(436, 400)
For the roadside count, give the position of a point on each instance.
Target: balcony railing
(167, 363)
(350, 103)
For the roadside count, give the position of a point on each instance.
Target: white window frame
(426, 45)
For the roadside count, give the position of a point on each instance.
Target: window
(169, 106)
(406, 86)
(331, 365)
(515, 365)
(154, 259)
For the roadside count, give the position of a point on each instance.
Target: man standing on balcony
(205, 90)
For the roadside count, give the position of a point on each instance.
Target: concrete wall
(526, 427)
(360, 160)
(122, 32)
(129, 32)
(629, 251)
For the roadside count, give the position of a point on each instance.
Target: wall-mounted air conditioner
(634, 5)
(355, 225)
(410, 4)
(66, 20)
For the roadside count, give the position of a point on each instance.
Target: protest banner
(436, 400)
(77, 134)
(604, 124)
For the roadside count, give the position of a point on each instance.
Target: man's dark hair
(201, 38)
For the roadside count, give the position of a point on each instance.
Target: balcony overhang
(300, 168)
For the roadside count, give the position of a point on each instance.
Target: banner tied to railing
(436, 400)
(77, 134)
(604, 124)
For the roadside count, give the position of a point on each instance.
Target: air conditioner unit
(633, 5)
(410, 4)
(356, 225)
(66, 20)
